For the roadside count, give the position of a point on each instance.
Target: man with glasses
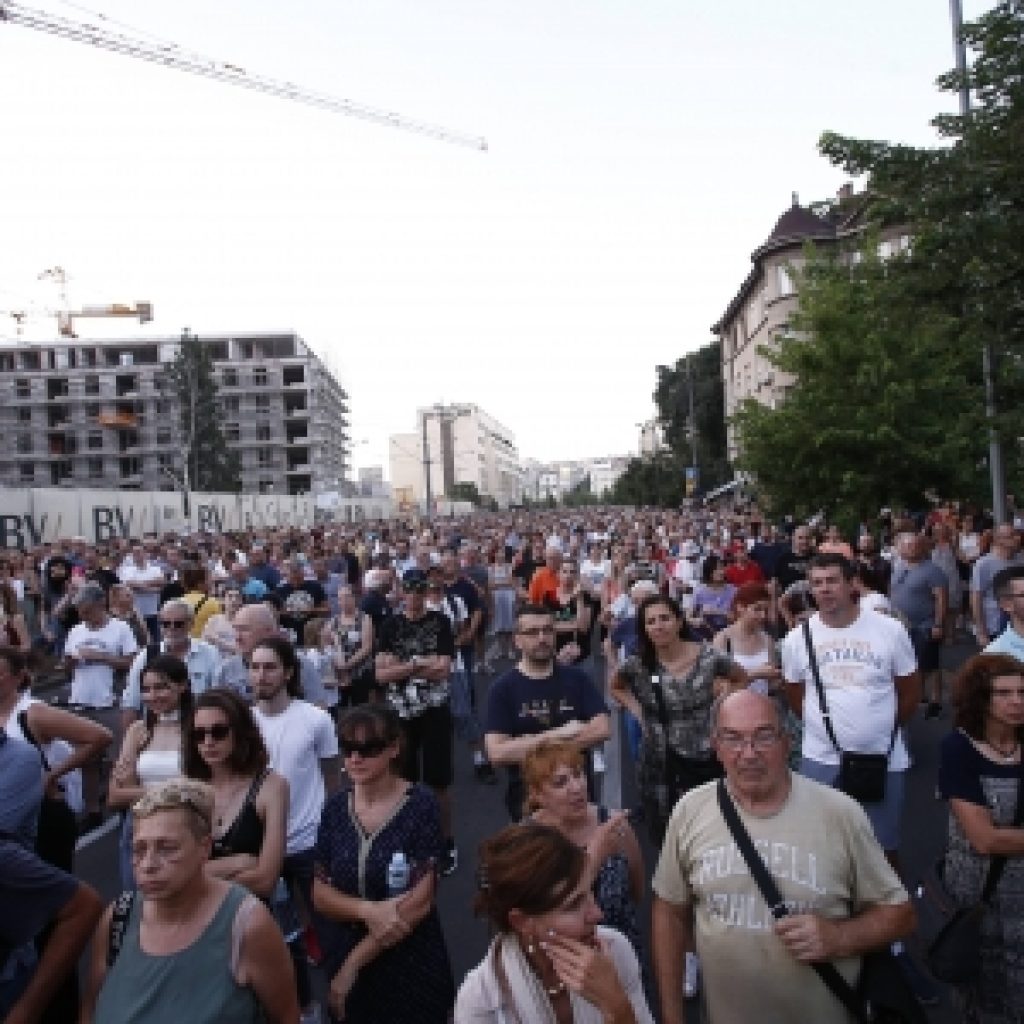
(201, 659)
(1008, 586)
(539, 699)
(844, 898)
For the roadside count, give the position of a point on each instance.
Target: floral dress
(997, 997)
(688, 701)
(410, 983)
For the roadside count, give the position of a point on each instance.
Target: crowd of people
(274, 717)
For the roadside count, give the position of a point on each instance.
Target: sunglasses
(173, 623)
(217, 732)
(368, 748)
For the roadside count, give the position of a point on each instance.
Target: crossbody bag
(862, 776)
(881, 994)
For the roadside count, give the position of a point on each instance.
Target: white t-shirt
(147, 602)
(873, 601)
(298, 739)
(858, 666)
(93, 683)
(595, 572)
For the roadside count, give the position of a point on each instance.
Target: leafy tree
(656, 480)
(671, 394)
(886, 404)
(465, 490)
(963, 203)
(207, 463)
(580, 495)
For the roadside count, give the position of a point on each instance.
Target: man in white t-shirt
(98, 646)
(303, 747)
(844, 899)
(145, 579)
(871, 684)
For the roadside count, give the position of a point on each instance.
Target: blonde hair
(179, 794)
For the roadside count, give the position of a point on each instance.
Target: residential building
(556, 479)
(456, 444)
(759, 313)
(99, 414)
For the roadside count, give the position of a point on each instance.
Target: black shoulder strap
(27, 733)
(837, 984)
(200, 603)
(997, 864)
(119, 924)
(813, 660)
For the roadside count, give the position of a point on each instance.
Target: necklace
(1007, 756)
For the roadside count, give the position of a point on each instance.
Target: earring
(530, 947)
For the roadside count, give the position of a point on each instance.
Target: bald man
(251, 624)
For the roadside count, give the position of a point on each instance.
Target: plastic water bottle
(398, 874)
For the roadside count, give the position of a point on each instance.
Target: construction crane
(172, 56)
(66, 317)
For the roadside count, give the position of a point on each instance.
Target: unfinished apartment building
(78, 413)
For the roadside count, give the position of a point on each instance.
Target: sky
(638, 152)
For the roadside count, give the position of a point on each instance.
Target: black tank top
(246, 832)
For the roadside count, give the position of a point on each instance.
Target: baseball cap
(414, 579)
(255, 589)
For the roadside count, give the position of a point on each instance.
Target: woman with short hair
(551, 960)
(188, 946)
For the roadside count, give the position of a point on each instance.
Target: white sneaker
(691, 976)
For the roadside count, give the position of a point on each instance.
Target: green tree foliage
(655, 480)
(580, 495)
(207, 461)
(465, 491)
(671, 394)
(963, 203)
(886, 404)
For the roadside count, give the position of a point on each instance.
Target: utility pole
(426, 464)
(988, 356)
(692, 428)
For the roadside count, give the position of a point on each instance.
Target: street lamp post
(988, 357)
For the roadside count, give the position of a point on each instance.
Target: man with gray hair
(252, 623)
(842, 898)
(201, 659)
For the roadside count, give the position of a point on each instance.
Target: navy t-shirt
(520, 706)
(962, 768)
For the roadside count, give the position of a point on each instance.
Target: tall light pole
(988, 357)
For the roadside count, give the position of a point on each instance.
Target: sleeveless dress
(195, 984)
(245, 834)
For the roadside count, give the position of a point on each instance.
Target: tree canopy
(889, 399)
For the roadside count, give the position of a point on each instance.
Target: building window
(231, 432)
(22, 388)
(266, 486)
(259, 376)
(786, 286)
(261, 402)
(92, 384)
(24, 415)
(95, 439)
(246, 349)
(26, 472)
(95, 468)
(24, 443)
(231, 404)
(163, 407)
(230, 378)
(163, 437)
(265, 457)
(263, 432)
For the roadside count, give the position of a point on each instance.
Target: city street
(479, 812)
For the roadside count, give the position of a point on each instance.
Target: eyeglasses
(174, 623)
(536, 631)
(368, 748)
(763, 740)
(1006, 692)
(217, 732)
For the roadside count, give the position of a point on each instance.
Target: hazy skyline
(638, 153)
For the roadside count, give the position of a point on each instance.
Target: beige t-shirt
(824, 857)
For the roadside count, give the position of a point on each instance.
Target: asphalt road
(479, 812)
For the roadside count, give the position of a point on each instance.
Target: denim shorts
(884, 816)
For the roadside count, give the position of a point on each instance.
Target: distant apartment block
(456, 444)
(92, 413)
(543, 480)
(759, 314)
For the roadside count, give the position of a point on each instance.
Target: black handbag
(882, 995)
(862, 776)
(953, 934)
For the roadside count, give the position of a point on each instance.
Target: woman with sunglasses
(250, 802)
(151, 751)
(384, 951)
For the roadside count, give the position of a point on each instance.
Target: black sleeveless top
(246, 832)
